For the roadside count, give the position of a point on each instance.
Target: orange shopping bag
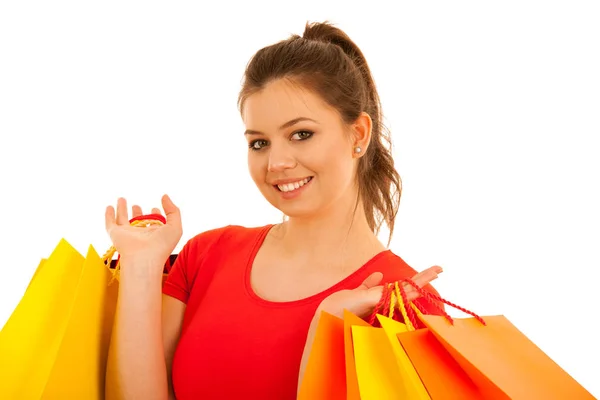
(350, 320)
(500, 361)
(441, 374)
(325, 374)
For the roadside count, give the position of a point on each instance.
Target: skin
(292, 134)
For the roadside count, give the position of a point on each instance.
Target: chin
(296, 210)
(299, 213)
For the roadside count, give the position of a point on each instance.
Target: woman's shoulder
(393, 267)
(227, 235)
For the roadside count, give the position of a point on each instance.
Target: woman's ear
(361, 134)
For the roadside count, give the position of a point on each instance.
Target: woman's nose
(280, 158)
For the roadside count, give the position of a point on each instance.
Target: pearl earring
(357, 149)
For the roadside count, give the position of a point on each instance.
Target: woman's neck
(334, 236)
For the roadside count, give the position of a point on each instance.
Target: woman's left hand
(362, 300)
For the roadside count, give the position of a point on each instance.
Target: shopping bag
(55, 344)
(79, 367)
(499, 359)
(351, 359)
(31, 338)
(36, 272)
(325, 373)
(441, 375)
(350, 320)
(383, 369)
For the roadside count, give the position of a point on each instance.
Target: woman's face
(301, 155)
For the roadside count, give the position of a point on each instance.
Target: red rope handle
(419, 307)
(383, 304)
(430, 297)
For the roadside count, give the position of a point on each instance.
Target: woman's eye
(257, 144)
(302, 135)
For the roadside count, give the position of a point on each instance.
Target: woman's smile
(292, 189)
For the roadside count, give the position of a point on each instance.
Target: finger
(421, 279)
(171, 211)
(375, 294)
(436, 268)
(136, 211)
(411, 293)
(122, 218)
(156, 211)
(372, 280)
(425, 277)
(109, 218)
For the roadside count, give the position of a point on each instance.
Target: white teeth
(288, 187)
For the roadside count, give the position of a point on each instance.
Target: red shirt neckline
(315, 297)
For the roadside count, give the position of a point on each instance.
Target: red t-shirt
(234, 344)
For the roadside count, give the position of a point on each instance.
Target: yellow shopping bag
(80, 365)
(31, 338)
(383, 369)
(55, 344)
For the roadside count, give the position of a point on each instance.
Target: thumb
(372, 280)
(171, 210)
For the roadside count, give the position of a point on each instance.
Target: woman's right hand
(150, 245)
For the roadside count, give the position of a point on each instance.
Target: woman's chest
(232, 351)
(277, 278)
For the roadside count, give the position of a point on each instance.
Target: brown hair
(326, 61)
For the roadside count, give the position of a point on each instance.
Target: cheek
(257, 167)
(254, 167)
(336, 166)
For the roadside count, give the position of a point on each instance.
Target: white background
(494, 111)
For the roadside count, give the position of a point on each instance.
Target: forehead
(281, 101)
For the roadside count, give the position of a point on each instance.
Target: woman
(240, 305)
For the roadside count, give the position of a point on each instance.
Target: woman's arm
(145, 333)
(172, 317)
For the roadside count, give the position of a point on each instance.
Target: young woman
(236, 316)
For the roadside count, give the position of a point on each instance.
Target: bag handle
(430, 297)
(393, 305)
(394, 302)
